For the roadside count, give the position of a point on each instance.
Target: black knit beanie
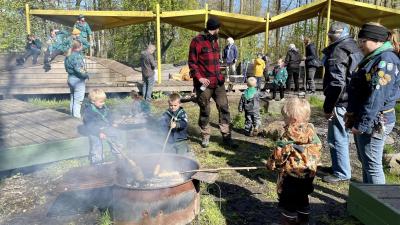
(213, 23)
(374, 32)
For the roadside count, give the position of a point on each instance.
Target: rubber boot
(205, 141)
(227, 140)
(303, 218)
(288, 220)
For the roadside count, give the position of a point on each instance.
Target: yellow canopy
(233, 25)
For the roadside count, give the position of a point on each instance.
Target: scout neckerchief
(172, 114)
(386, 46)
(249, 93)
(96, 110)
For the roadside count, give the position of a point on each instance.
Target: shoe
(282, 99)
(333, 179)
(229, 142)
(255, 131)
(272, 100)
(205, 142)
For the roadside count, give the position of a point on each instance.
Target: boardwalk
(31, 135)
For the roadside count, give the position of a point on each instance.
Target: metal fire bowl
(103, 186)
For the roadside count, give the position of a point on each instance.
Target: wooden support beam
(318, 32)
(206, 15)
(266, 34)
(328, 20)
(158, 25)
(28, 20)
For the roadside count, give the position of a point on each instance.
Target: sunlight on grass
(210, 211)
(51, 104)
(397, 109)
(391, 178)
(238, 121)
(316, 102)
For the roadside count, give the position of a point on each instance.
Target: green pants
(180, 148)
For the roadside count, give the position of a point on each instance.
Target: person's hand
(102, 135)
(355, 131)
(349, 120)
(328, 116)
(173, 125)
(204, 81)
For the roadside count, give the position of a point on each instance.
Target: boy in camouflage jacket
(296, 157)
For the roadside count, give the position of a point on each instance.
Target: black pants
(294, 195)
(293, 73)
(48, 57)
(280, 88)
(34, 52)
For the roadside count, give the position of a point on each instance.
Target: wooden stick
(157, 168)
(225, 168)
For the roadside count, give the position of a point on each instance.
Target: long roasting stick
(225, 168)
(157, 168)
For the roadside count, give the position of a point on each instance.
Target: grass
(316, 102)
(210, 211)
(389, 149)
(105, 218)
(397, 109)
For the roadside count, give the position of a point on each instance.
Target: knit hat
(374, 32)
(76, 31)
(337, 27)
(213, 23)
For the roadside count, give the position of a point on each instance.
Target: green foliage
(391, 178)
(389, 149)
(51, 104)
(211, 213)
(397, 109)
(105, 218)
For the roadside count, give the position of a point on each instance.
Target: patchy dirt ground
(246, 197)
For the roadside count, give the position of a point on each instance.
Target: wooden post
(206, 16)
(318, 32)
(28, 19)
(266, 34)
(158, 43)
(328, 20)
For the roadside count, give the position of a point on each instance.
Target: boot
(227, 140)
(205, 141)
(288, 220)
(303, 218)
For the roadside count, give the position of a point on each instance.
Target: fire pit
(157, 200)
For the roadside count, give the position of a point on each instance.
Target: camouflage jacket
(297, 153)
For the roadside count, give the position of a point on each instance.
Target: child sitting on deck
(98, 123)
(175, 120)
(280, 76)
(296, 157)
(250, 104)
(140, 107)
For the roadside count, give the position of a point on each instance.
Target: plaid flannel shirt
(204, 60)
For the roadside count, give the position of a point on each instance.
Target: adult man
(230, 57)
(148, 65)
(312, 63)
(292, 61)
(340, 59)
(209, 82)
(83, 26)
(33, 48)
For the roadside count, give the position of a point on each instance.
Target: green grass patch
(105, 218)
(316, 102)
(238, 121)
(389, 149)
(391, 178)
(397, 109)
(210, 211)
(49, 103)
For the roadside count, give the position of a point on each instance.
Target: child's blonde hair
(96, 94)
(296, 110)
(174, 97)
(251, 82)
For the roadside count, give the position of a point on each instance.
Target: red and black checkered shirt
(204, 60)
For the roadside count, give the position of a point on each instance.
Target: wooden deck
(31, 135)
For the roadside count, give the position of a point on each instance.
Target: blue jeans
(338, 140)
(77, 89)
(370, 151)
(147, 89)
(96, 153)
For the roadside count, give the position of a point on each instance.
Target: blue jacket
(340, 60)
(96, 119)
(230, 53)
(75, 66)
(374, 89)
(180, 132)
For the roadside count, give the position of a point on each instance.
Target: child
(259, 66)
(98, 123)
(175, 118)
(250, 104)
(296, 156)
(139, 105)
(280, 76)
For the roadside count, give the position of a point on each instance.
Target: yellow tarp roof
(234, 25)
